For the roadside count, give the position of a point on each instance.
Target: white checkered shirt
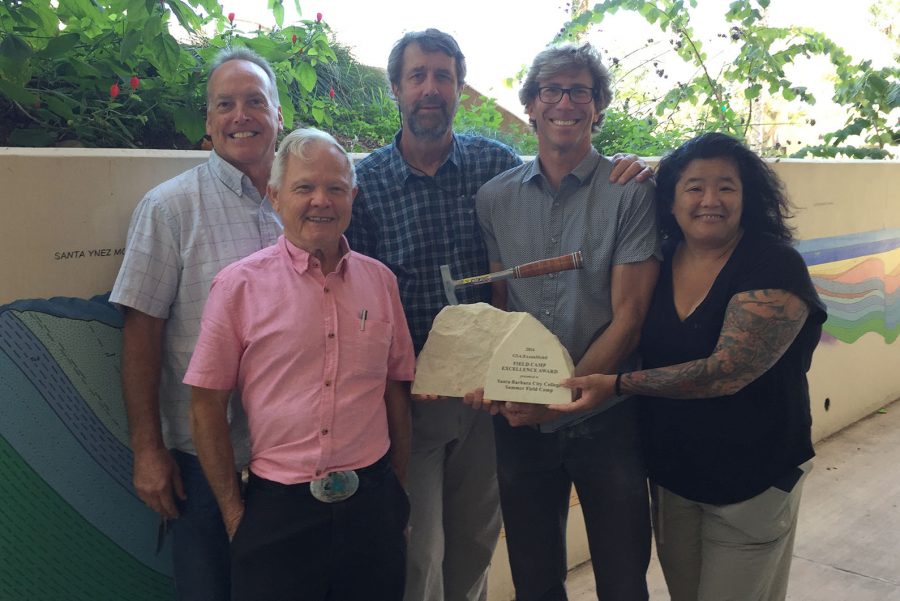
(181, 234)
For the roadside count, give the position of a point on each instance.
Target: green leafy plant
(109, 73)
(363, 116)
(643, 135)
(481, 116)
(729, 97)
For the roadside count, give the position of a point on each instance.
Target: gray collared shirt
(524, 219)
(182, 234)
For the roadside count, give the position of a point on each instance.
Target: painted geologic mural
(72, 527)
(858, 277)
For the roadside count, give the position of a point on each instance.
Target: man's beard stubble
(435, 128)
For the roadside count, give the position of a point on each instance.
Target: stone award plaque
(511, 355)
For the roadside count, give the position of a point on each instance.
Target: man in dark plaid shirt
(415, 211)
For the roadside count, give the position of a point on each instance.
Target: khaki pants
(737, 552)
(455, 519)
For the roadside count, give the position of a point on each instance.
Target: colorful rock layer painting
(72, 528)
(858, 277)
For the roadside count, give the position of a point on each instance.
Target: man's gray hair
(242, 53)
(296, 144)
(566, 58)
(430, 40)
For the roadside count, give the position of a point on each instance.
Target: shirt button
(556, 204)
(327, 290)
(553, 240)
(552, 275)
(331, 334)
(324, 431)
(318, 472)
(546, 311)
(327, 382)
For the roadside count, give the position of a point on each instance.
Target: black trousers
(601, 456)
(291, 546)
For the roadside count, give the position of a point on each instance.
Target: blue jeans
(200, 548)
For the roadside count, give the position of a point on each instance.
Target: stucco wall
(65, 214)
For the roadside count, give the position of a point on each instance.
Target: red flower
(294, 39)
(231, 17)
(114, 90)
(134, 82)
(318, 17)
(331, 92)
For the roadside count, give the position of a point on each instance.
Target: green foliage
(872, 98)
(832, 151)
(482, 117)
(729, 98)
(67, 67)
(364, 116)
(641, 135)
(57, 69)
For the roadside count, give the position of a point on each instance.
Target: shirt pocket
(366, 347)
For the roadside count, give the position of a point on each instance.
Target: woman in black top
(726, 346)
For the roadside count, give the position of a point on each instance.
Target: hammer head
(449, 285)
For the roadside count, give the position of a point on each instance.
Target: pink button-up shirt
(311, 369)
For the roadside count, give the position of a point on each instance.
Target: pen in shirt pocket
(363, 315)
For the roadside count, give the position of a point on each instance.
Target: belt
(334, 487)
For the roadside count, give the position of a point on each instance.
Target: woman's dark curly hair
(766, 208)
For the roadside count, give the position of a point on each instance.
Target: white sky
(499, 36)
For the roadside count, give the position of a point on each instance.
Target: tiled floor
(848, 542)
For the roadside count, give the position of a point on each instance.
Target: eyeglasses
(554, 94)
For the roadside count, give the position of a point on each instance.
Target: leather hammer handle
(564, 263)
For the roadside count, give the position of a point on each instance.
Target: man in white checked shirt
(182, 233)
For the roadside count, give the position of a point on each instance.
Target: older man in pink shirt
(313, 336)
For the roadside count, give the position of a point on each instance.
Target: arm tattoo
(759, 327)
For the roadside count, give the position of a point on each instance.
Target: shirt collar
(233, 178)
(583, 172)
(402, 170)
(302, 261)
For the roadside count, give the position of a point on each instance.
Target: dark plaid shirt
(414, 223)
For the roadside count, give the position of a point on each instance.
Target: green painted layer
(51, 553)
(851, 331)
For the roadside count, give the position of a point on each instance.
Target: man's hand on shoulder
(627, 167)
(157, 481)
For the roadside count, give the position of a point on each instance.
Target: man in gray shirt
(562, 202)
(182, 233)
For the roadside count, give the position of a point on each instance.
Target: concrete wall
(65, 213)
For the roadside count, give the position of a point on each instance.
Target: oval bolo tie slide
(336, 486)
